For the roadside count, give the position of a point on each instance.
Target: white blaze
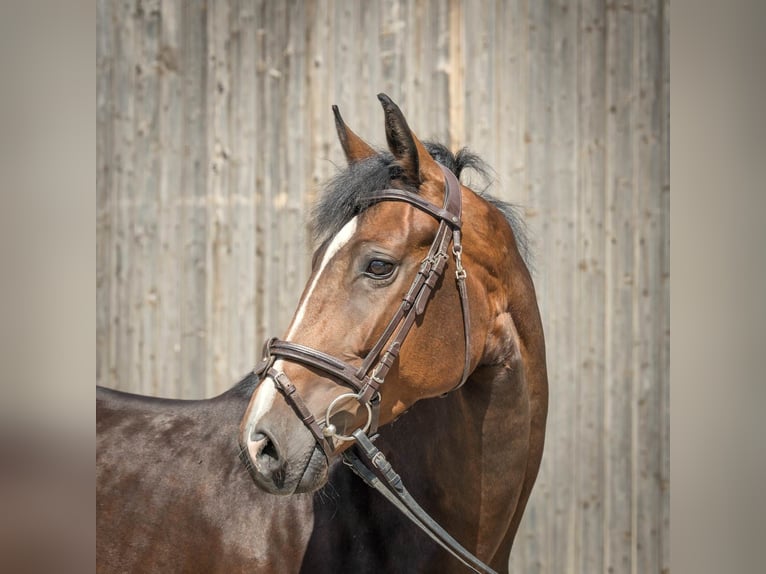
(267, 390)
(343, 237)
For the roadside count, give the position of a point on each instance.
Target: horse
(254, 479)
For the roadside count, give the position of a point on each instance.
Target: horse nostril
(269, 450)
(263, 452)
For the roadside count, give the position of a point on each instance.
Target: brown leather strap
(441, 213)
(460, 276)
(371, 465)
(314, 358)
(431, 268)
(420, 293)
(286, 386)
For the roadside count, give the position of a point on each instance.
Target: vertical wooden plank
(620, 289)
(456, 76)
(512, 72)
(144, 232)
(332, 84)
(194, 228)
(437, 65)
(218, 240)
(650, 244)
(244, 345)
(321, 95)
(414, 73)
(169, 225)
(262, 180)
(509, 124)
(122, 260)
(539, 101)
(391, 55)
(278, 281)
(478, 84)
(561, 184)
(297, 258)
(363, 30)
(285, 234)
(105, 63)
(366, 117)
(345, 60)
(530, 551)
(269, 108)
(589, 486)
(664, 338)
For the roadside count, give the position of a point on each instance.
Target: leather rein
(368, 462)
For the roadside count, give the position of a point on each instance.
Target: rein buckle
(460, 272)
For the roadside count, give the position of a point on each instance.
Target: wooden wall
(215, 133)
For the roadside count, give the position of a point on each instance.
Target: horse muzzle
(288, 448)
(283, 458)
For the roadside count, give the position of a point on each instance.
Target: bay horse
(252, 480)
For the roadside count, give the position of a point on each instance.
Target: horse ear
(355, 148)
(410, 153)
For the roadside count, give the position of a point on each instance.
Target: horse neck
(463, 456)
(473, 456)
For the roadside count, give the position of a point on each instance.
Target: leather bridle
(367, 379)
(368, 462)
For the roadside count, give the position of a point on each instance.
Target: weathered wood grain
(591, 283)
(215, 135)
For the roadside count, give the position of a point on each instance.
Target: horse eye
(379, 269)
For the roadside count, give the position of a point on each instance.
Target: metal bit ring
(329, 428)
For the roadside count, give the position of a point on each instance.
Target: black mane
(348, 193)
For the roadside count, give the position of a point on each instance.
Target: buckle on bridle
(460, 273)
(267, 360)
(375, 378)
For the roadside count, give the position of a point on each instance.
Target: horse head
(383, 225)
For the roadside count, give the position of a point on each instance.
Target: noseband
(367, 379)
